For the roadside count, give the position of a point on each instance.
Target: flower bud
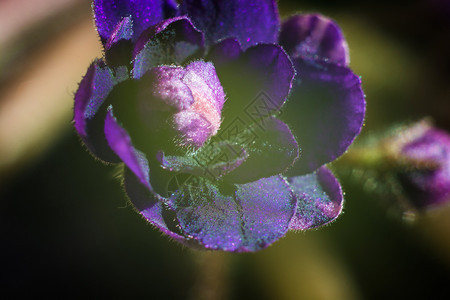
(425, 153)
(194, 96)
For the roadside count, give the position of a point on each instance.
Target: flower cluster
(194, 99)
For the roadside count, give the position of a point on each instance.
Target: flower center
(196, 95)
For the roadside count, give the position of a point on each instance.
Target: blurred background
(66, 227)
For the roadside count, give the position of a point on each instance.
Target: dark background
(67, 230)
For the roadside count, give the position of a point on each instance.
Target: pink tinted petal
(316, 37)
(194, 129)
(320, 199)
(195, 96)
(251, 22)
(169, 87)
(200, 75)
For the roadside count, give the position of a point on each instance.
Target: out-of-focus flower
(189, 98)
(424, 153)
(409, 167)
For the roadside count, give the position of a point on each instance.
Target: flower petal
(143, 13)
(169, 42)
(118, 48)
(267, 206)
(201, 76)
(274, 63)
(247, 219)
(212, 161)
(251, 22)
(257, 84)
(224, 52)
(325, 111)
(91, 94)
(271, 148)
(93, 89)
(319, 197)
(314, 36)
(120, 142)
(122, 31)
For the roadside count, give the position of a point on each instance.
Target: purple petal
(91, 94)
(118, 48)
(319, 197)
(93, 89)
(251, 22)
(123, 31)
(208, 216)
(325, 111)
(143, 13)
(268, 206)
(315, 37)
(226, 51)
(275, 67)
(257, 84)
(120, 142)
(171, 41)
(429, 185)
(249, 219)
(271, 149)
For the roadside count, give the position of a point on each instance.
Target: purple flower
(425, 153)
(192, 99)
